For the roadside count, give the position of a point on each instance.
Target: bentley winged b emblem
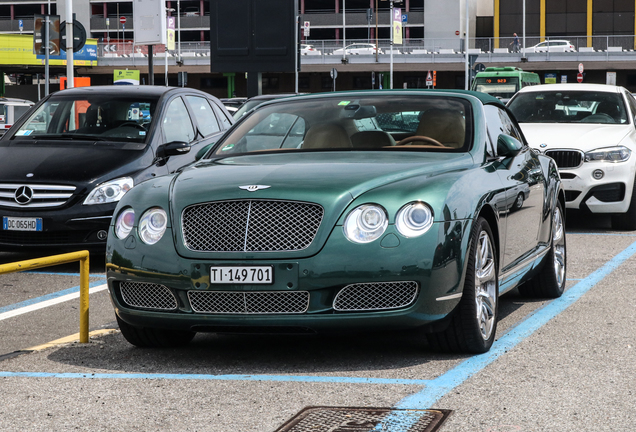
(254, 188)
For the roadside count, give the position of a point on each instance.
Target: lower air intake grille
(376, 296)
(231, 302)
(147, 296)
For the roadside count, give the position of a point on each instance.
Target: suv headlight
(109, 192)
(152, 225)
(414, 219)
(608, 154)
(365, 223)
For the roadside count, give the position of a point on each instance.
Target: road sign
(306, 28)
(429, 79)
(122, 20)
(79, 35)
(21, 25)
(405, 18)
(479, 67)
(579, 77)
(580, 67)
(333, 73)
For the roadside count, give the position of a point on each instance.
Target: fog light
(101, 235)
(598, 174)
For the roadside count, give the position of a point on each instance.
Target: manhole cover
(346, 419)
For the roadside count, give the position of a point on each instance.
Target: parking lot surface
(557, 365)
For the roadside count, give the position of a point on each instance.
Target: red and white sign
(456, 32)
(580, 67)
(579, 77)
(122, 20)
(429, 79)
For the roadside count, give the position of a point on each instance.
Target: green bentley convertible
(351, 211)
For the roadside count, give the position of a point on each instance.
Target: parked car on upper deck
(358, 49)
(65, 165)
(589, 130)
(555, 45)
(346, 211)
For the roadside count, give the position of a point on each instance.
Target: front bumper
(66, 228)
(434, 262)
(610, 194)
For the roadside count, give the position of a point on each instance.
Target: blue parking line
(47, 297)
(439, 387)
(205, 377)
(601, 234)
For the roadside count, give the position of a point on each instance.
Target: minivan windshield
(569, 107)
(91, 118)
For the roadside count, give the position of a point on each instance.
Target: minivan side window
(208, 124)
(176, 123)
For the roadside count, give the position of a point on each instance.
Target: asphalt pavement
(557, 365)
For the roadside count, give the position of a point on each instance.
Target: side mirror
(203, 151)
(508, 146)
(173, 148)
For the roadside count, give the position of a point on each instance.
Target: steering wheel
(430, 140)
(598, 117)
(132, 123)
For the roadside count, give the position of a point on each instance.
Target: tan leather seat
(371, 139)
(326, 135)
(444, 125)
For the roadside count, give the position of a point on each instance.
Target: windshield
(569, 107)
(248, 105)
(97, 118)
(503, 87)
(354, 123)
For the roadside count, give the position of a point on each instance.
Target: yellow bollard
(82, 257)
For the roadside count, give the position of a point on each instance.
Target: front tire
(144, 337)
(550, 281)
(474, 322)
(626, 221)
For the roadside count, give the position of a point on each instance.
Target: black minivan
(65, 165)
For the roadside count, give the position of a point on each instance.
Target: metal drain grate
(345, 419)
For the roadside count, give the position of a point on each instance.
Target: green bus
(503, 82)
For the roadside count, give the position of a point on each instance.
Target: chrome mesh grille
(566, 158)
(41, 196)
(248, 302)
(147, 296)
(376, 296)
(250, 226)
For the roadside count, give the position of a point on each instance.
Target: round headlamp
(365, 223)
(124, 223)
(153, 225)
(414, 219)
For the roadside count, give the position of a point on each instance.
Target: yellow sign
(126, 76)
(18, 50)
(397, 26)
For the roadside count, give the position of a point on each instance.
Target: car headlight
(109, 192)
(153, 225)
(365, 223)
(124, 223)
(414, 219)
(608, 154)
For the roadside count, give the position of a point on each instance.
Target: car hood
(581, 136)
(77, 165)
(324, 178)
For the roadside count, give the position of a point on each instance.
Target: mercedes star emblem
(253, 188)
(23, 195)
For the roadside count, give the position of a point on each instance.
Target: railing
(37, 263)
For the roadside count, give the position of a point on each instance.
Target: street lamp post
(179, 31)
(344, 44)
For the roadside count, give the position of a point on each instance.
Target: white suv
(588, 129)
(11, 110)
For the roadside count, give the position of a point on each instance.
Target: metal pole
(179, 29)
(297, 20)
(165, 54)
(524, 29)
(70, 78)
(151, 71)
(377, 47)
(391, 29)
(467, 80)
(47, 54)
(344, 37)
